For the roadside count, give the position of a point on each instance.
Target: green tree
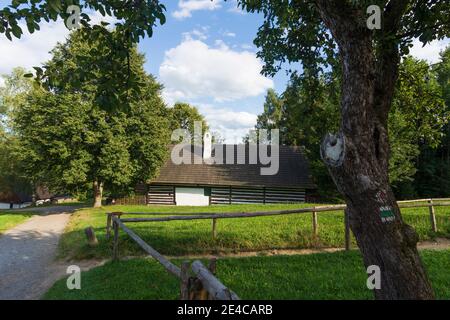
(433, 176)
(68, 139)
(184, 116)
(417, 117)
(310, 109)
(357, 157)
(12, 94)
(272, 114)
(135, 19)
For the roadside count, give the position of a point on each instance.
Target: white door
(191, 197)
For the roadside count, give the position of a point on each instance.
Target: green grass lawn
(234, 235)
(9, 220)
(339, 275)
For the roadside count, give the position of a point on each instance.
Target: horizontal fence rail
(418, 203)
(203, 285)
(211, 284)
(211, 215)
(173, 269)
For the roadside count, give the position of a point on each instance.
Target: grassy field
(234, 235)
(9, 220)
(337, 275)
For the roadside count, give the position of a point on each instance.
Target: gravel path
(26, 256)
(47, 209)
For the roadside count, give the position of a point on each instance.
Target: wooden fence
(419, 203)
(132, 200)
(202, 286)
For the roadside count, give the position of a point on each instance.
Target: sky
(203, 55)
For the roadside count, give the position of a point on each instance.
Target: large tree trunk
(358, 156)
(98, 193)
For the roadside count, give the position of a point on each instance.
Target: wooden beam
(90, 235)
(214, 229)
(347, 231)
(184, 290)
(173, 269)
(108, 225)
(315, 225)
(432, 216)
(424, 205)
(212, 215)
(116, 240)
(236, 215)
(214, 287)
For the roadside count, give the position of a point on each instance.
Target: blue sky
(203, 55)
(221, 36)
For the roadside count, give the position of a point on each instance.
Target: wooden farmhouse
(237, 180)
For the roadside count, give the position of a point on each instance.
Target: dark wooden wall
(233, 195)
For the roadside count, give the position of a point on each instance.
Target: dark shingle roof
(293, 171)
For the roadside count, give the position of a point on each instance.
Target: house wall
(196, 196)
(191, 197)
(4, 205)
(161, 194)
(203, 196)
(236, 195)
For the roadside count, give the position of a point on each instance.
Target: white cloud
(247, 46)
(194, 70)
(197, 33)
(229, 34)
(186, 7)
(231, 125)
(32, 50)
(234, 8)
(431, 51)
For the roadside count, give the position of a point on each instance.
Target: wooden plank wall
(161, 194)
(132, 200)
(234, 195)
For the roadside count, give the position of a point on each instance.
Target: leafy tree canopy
(184, 116)
(68, 139)
(136, 18)
(12, 94)
(303, 115)
(295, 31)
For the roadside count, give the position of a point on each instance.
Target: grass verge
(317, 276)
(234, 235)
(9, 220)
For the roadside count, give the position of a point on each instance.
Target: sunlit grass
(339, 275)
(10, 220)
(234, 235)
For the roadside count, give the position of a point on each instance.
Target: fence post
(314, 222)
(108, 225)
(116, 241)
(432, 216)
(212, 267)
(184, 294)
(214, 228)
(347, 230)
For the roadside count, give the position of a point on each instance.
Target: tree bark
(358, 156)
(98, 193)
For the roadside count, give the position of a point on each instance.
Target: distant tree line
(419, 128)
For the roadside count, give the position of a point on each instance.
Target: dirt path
(437, 244)
(48, 209)
(26, 256)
